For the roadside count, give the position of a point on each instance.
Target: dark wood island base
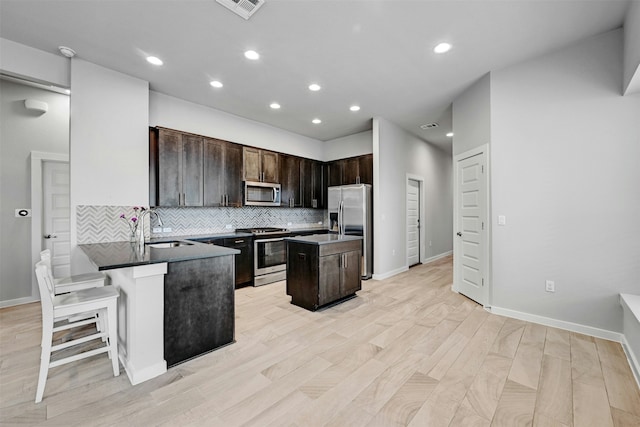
(323, 270)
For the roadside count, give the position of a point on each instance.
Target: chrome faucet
(141, 223)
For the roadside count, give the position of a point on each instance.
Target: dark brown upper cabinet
(260, 165)
(353, 170)
(222, 173)
(179, 174)
(312, 184)
(291, 181)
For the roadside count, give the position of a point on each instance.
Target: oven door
(270, 255)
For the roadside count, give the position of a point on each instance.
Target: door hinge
(483, 281)
(483, 225)
(481, 168)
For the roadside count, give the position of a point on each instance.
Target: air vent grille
(429, 126)
(244, 8)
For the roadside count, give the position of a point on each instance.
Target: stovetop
(262, 230)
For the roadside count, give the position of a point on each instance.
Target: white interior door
(55, 215)
(470, 249)
(413, 222)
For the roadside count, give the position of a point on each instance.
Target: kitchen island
(170, 292)
(323, 269)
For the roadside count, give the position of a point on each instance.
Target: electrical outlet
(228, 226)
(550, 286)
(166, 230)
(157, 230)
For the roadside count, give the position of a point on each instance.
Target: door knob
(459, 234)
(50, 236)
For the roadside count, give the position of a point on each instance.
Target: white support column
(141, 320)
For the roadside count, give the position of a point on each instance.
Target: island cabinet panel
(260, 165)
(178, 175)
(319, 275)
(222, 173)
(198, 307)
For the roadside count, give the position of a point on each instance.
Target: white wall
(565, 149)
(631, 79)
(175, 113)
(397, 153)
(349, 146)
(109, 142)
(23, 131)
(472, 117)
(24, 61)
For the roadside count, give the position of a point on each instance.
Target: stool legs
(45, 357)
(112, 322)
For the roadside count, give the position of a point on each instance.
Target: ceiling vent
(429, 126)
(244, 8)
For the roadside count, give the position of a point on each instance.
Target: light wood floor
(406, 351)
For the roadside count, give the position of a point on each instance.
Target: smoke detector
(67, 51)
(429, 126)
(244, 8)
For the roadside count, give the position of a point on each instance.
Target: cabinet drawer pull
(239, 241)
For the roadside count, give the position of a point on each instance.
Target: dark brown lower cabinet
(322, 274)
(199, 311)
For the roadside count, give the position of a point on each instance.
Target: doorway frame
(487, 289)
(37, 160)
(422, 235)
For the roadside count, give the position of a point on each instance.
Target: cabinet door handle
(344, 264)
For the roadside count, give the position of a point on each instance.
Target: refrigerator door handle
(341, 218)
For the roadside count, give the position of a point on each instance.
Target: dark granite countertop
(107, 256)
(323, 239)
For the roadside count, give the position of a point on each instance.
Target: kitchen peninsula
(176, 301)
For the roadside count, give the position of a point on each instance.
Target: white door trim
(37, 158)
(487, 241)
(423, 223)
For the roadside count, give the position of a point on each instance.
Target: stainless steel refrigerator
(350, 213)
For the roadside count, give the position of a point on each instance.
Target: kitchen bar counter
(111, 255)
(145, 313)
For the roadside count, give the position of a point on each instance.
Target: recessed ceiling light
(252, 54)
(154, 60)
(316, 121)
(354, 108)
(442, 48)
(450, 134)
(216, 83)
(314, 87)
(274, 105)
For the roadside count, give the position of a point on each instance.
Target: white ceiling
(377, 54)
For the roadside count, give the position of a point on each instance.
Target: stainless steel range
(269, 254)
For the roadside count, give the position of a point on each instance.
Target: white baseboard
(18, 301)
(560, 324)
(390, 273)
(633, 359)
(437, 257)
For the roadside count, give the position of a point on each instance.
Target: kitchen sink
(165, 245)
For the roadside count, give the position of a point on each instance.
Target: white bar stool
(59, 312)
(75, 282)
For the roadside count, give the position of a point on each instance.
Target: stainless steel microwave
(261, 194)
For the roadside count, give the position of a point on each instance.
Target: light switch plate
(502, 220)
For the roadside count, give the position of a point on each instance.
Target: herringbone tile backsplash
(103, 223)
